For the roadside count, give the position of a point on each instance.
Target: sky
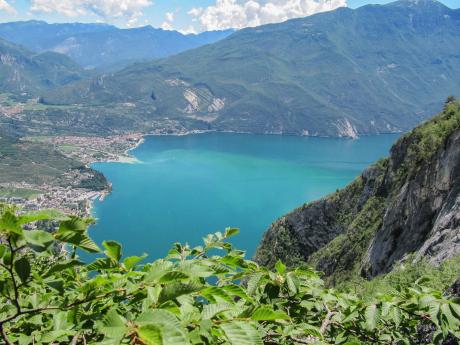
(187, 16)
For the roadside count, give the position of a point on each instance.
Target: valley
(275, 172)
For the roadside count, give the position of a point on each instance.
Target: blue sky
(183, 15)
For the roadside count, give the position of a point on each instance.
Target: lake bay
(188, 186)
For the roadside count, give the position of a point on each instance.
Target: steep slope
(406, 204)
(342, 73)
(104, 46)
(22, 71)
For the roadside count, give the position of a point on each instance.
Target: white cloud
(167, 26)
(170, 16)
(239, 14)
(130, 9)
(188, 31)
(5, 6)
(169, 20)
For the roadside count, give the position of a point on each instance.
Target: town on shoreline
(73, 199)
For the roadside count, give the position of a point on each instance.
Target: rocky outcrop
(423, 215)
(406, 204)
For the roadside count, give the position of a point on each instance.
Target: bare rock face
(406, 204)
(423, 216)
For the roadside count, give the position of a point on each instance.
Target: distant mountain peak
(418, 3)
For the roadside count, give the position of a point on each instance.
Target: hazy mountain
(379, 68)
(22, 71)
(102, 45)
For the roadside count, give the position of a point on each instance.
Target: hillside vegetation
(37, 163)
(376, 69)
(193, 296)
(31, 162)
(403, 208)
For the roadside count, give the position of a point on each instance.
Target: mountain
(379, 68)
(104, 46)
(405, 207)
(24, 72)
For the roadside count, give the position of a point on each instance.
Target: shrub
(203, 295)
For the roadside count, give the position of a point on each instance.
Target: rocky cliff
(407, 205)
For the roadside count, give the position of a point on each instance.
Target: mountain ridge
(27, 73)
(104, 46)
(304, 76)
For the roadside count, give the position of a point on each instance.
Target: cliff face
(406, 204)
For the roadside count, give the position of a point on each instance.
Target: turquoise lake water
(188, 186)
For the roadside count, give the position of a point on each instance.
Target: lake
(188, 186)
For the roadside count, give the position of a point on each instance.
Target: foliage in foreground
(405, 273)
(193, 296)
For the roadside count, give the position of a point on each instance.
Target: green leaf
(2, 250)
(372, 316)
(158, 269)
(451, 319)
(132, 261)
(215, 293)
(62, 266)
(241, 333)
(233, 261)
(78, 239)
(173, 276)
(101, 264)
(280, 267)
(211, 310)
(293, 283)
(253, 283)
(229, 232)
(113, 325)
(434, 311)
(9, 223)
(39, 240)
(150, 335)
(75, 224)
(57, 284)
(164, 324)
(174, 290)
(112, 250)
(268, 314)
(396, 313)
(22, 269)
(455, 307)
(236, 290)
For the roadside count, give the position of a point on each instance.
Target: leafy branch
(192, 296)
